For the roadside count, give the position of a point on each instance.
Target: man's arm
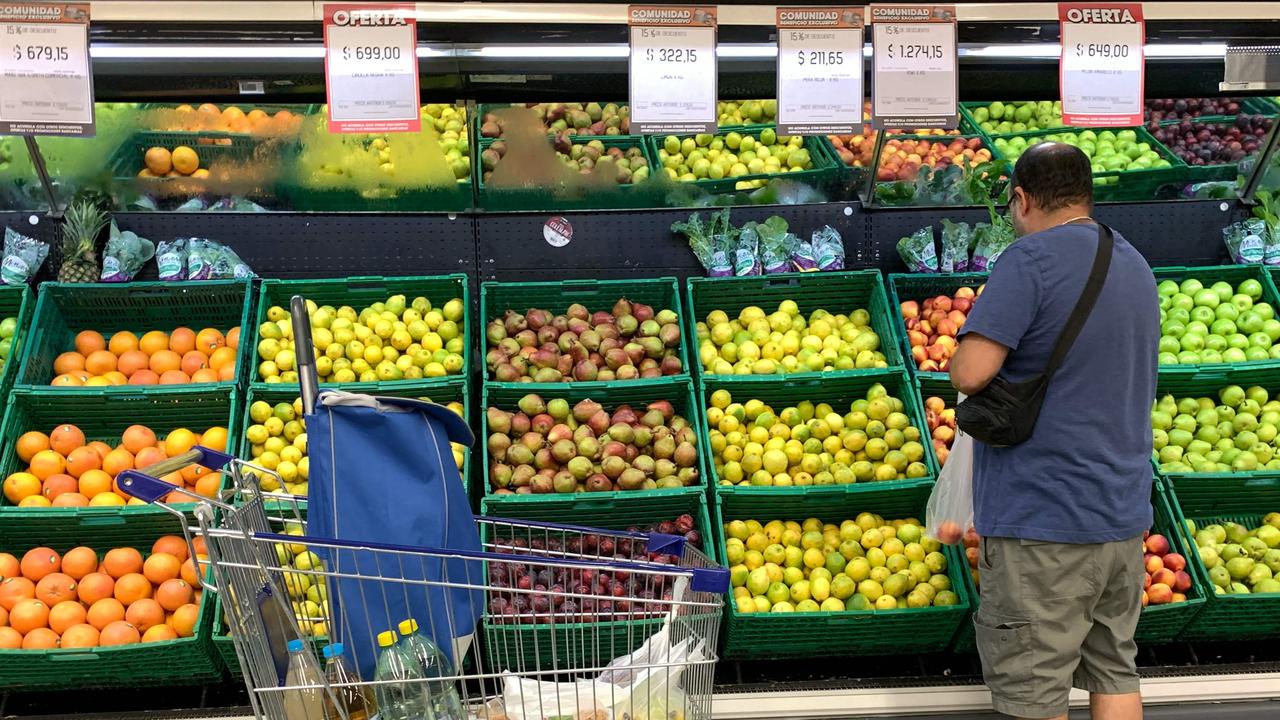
(976, 362)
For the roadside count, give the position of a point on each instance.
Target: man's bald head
(1054, 175)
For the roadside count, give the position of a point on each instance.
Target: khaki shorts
(1054, 616)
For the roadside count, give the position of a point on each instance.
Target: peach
(1146, 582)
(1145, 599)
(966, 293)
(936, 352)
(910, 309)
(928, 304)
(929, 366)
(1175, 562)
(1160, 594)
(1153, 564)
(943, 303)
(918, 354)
(1182, 581)
(1158, 544)
(925, 327)
(935, 404)
(1178, 597)
(1164, 576)
(948, 417)
(915, 337)
(944, 365)
(946, 327)
(971, 554)
(957, 318)
(949, 342)
(972, 538)
(943, 433)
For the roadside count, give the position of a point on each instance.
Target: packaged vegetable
(918, 252)
(715, 258)
(171, 259)
(125, 255)
(1245, 241)
(23, 257)
(956, 240)
(828, 245)
(722, 248)
(744, 254)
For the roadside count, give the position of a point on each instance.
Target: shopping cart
(561, 583)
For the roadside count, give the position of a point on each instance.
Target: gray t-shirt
(1084, 475)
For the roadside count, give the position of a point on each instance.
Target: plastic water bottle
(303, 704)
(444, 699)
(356, 702)
(401, 692)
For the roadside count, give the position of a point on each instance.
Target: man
(1062, 514)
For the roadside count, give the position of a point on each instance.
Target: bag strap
(1088, 298)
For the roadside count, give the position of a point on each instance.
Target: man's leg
(1115, 707)
(1108, 668)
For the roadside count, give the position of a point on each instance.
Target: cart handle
(146, 484)
(654, 542)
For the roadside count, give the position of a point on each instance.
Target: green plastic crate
(455, 389)
(597, 295)
(904, 287)
(849, 633)
(16, 302)
(1229, 617)
(586, 193)
(476, 119)
(821, 170)
(1227, 170)
(1205, 487)
(211, 147)
(838, 391)
(1248, 106)
(359, 293)
(967, 118)
(579, 645)
(1233, 274)
(835, 292)
(182, 661)
(104, 417)
(611, 395)
(64, 309)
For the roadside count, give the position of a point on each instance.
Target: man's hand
(975, 363)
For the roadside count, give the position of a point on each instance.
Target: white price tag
(914, 80)
(819, 70)
(672, 69)
(1102, 64)
(371, 68)
(46, 85)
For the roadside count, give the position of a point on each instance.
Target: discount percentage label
(819, 70)
(371, 68)
(46, 85)
(1102, 64)
(914, 81)
(672, 71)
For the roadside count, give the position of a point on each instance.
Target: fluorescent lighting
(570, 52)
(1053, 50)
(121, 51)
(747, 50)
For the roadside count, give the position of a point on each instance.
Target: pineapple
(82, 223)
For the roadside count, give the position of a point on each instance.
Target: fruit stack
(1216, 315)
(16, 306)
(743, 157)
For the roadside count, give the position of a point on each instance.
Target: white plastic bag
(950, 510)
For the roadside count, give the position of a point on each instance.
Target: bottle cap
(386, 638)
(333, 650)
(295, 646)
(408, 627)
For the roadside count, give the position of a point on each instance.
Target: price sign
(914, 81)
(819, 70)
(673, 69)
(371, 68)
(1102, 64)
(46, 85)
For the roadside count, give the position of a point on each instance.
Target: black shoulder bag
(1005, 413)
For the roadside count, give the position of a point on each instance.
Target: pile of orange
(63, 470)
(209, 117)
(77, 600)
(180, 357)
(181, 162)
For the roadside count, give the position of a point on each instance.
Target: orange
(225, 355)
(204, 375)
(227, 372)
(80, 636)
(147, 457)
(94, 587)
(122, 561)
(189, 573)
(104, 612)
(39, 562)
(233, 337)
(174, 377)
(14, 590)
(66, 614)
(82, 460)
(144, 377)
(94, 482)
(46, 464)
(153, 342)
(131, 588)
(28, 615)
(35, 501)
(123, 342)
(173, 594)
(30, 443)
(79, 561)
(99, 447)
(119, 633)
(9, 567)
(158, 160)
(69, 380)
(194, 360)
(197, 543)
(144, 613)
(117, 461)
(68, 362)
(115, 377)
(100, 362)
(66, 438)
(158, 633)
(137, 437)
(131, 361)
(4, 617)
(170, 545)
(55, 587)
(179, 441)
(40, 639)
(209, 108)
(209, 340)
(185, 160)
(21, 485)
(10, 639)
(106, 499)
(209, 485)
(88, 341)
(160, 567)
(71, 499)
(215, 438)
(58, 484)
(97, 381)
(182, 340)
(164, 361)
(184, 620)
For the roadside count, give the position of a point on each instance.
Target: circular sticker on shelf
(557, 231)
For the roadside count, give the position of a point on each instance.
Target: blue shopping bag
(382, 474)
